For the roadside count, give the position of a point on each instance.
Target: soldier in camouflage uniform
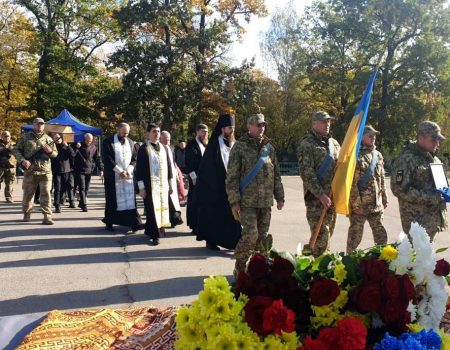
(254, 202)
(33, 152)
(368, 196)
(7, 165)
(412, 182)
(317, 156)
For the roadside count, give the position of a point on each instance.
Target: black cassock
(193, 160)
(143, 174)
(129, 217)
(215, 222)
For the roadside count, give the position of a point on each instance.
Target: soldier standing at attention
(33, 152)
(7, 165)
(317, 156)
(412, 182)
(368, 196)
(253, 180)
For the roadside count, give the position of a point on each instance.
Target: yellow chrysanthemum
(207, 299)
(414, 327)
(445, 338)
(183, 317)
(192, 333)
(217, 284)
(389, 253)
(183, 344)
(226, 342)
(290, 340)
(340, 274)
(245, 343)
(272, 343)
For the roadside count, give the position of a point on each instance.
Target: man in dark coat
(119, 159)
(86, 154)
(61, 171)
(154, 176)
(194, 154)
(216, 224)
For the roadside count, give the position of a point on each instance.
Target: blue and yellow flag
(345, 168)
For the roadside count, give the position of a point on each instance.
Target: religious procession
(192, 204)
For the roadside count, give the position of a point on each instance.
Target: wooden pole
(312, 241)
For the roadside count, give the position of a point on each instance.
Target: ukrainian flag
(346, 164)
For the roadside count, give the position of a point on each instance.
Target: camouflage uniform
(7, 174)
(412, 183)
(256, 199)
(371, 198)
(39, 172)
(311, 153)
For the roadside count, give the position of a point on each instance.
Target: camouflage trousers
(8, 176)
(255, 224)
(30, 183)
(313, 213)
(355, 232)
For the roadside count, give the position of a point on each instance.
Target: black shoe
(162, 231)
(79, 205)
(154, 241)
(137, 227)
(72, 205)
(212, 246)
(109, 228)
(84, 209)
(193, 233)
(57, 209)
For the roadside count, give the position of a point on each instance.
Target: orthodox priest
(194, 154)
(154, 176)
(119, 159)
(216, 224)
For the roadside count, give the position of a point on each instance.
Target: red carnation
(278, 318)
(374, 270)
(352, 334)
(391, 287)
(258, 266)
(408, 291)
(442, 268)
(368, 297)
(254, 313)
(329, 336)
(323, 291)
(312, 344)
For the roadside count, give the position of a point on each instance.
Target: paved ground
(77, 264)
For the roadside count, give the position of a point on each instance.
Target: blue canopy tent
(66, 118)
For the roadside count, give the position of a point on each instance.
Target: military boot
(57, 208)
(47, 220)
(26, 217)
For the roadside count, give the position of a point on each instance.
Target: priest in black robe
(216, 224)
(154, 176)
(194, 154)
(119, 159)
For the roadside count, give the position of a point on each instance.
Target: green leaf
(322, 263)
(352, 268)
(440, 250)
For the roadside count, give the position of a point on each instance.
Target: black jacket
(85, 158)
(61, 164)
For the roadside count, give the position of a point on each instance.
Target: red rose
(392, 310)
(374, 270)
(329, 336)
(312, 344)
(254, 313)
(352, 334)
(367, 297)
(391, 287)
(323, 291)
(278, 318)
(442, 268)
(258, 266)
(282, 268)
(408, 292)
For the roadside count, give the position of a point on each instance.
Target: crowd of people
(233, 184)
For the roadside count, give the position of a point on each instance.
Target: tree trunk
(383, 115)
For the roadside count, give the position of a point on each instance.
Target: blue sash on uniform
(327, 161)
(249, 177)
(362, 181)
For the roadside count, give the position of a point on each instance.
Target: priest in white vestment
(154, 175)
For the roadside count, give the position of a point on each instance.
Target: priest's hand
(280, 205)
(143, 193)
(124, 174)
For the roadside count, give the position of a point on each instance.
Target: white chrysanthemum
(404, 259)
(299, 249)
(425, 256)
(412, 309)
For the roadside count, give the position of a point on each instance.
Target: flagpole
(313, 240)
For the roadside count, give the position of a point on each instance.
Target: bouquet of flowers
(385, 297)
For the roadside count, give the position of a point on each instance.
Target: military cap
(6, 134)
(321, 115)
(430, 128)
(38, 121)
(369, 129)
(256, 119)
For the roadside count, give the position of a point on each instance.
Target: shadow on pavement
(121, 294)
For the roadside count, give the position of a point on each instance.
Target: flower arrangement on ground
(386, 297)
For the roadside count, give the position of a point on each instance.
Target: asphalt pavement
(77, 264)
